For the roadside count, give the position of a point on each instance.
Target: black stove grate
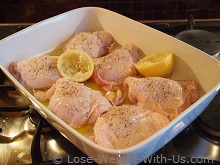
(10, 98)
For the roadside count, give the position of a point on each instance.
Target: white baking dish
(190, 63)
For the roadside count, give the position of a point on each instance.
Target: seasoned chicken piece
(75, 103)
(95, 44)
(191, 88)
(163, 95)
(126, 125)
(36, 72)
(111, 70)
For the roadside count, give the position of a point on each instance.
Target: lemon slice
(158, 64)
(75, 65)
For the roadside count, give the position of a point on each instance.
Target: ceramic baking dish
(190, 63)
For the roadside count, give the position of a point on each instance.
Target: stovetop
(26, 138)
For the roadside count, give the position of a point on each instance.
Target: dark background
(31, 11)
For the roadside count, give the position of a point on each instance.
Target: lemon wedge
(159, 64)
(75, 65)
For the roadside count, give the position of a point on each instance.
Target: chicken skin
(76, 104)
(111, 70)
(126, 125)
(96, 44)
(163, 95)
(37, 72)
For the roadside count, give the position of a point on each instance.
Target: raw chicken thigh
(111, 70)
(75, 103)
(95, 44)
(163, 95)
(126, 125)
(36, 72)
